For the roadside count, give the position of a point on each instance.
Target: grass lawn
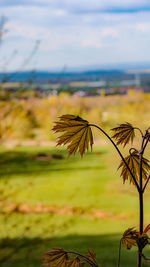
(92, 206)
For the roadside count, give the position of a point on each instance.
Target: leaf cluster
(131, 237)
(58, 257)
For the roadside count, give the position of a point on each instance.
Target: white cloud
(143, 27)
(109, 32)
(72, 37)
(100, 4)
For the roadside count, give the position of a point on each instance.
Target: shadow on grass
(18, 162)
(28, 252)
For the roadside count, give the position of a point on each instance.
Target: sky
(53, 34)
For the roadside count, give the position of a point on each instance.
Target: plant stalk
(139, 262)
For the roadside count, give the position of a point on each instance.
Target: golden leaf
(77, 133)
(91, 255)
(55, 258)
(133, 162)
(124, 133)
(130, 238)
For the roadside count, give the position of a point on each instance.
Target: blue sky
(75, 32)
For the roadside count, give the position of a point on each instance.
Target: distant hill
(83, 73)
(45, 76)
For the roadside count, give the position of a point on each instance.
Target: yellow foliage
(33, 117)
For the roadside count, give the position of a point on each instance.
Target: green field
(89, 205)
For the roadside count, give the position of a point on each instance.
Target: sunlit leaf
(55, 258)
(133, 162)
(76, 133)
(130, 238)
(124, 133)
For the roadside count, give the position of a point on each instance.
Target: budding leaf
(124, 133)
(76, 132)
(130, 238)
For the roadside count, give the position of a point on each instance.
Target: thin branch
(139, 130)
(147, 229)
(132, 148)
(138, 188)
(83, 257)
(145, 258)
(148, 178)
(148, 138)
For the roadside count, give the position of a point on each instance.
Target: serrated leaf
(133, 162)
(124, 133)
(77, 133)
(130, 238)
(91, 255)
(55, 258)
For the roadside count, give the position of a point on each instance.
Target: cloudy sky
(74, 33)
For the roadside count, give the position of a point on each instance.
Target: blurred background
(69, 57)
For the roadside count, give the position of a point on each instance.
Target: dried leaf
(133, 162)
(91, 255)
(130, 238)
(77, 133)
(124, 133)
(55, 258)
